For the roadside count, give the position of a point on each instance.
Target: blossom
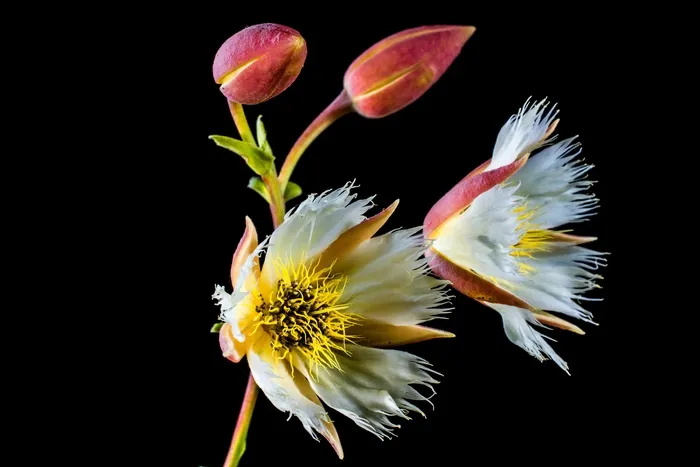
(316, 318)
(496, 234)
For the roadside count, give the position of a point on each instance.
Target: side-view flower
(495, 235)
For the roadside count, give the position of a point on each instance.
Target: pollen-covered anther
(302, 314)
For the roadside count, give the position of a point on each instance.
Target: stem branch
(277, 207)
(241, 122)
(339, 107)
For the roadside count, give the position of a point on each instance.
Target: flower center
(302, 314)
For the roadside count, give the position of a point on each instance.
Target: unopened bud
(259, 62)
(399, 69)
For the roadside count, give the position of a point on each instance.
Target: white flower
(313, 320)
(495, 234)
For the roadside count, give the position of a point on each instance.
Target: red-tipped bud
(399, 69)
(259, 62)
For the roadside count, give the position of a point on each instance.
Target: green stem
(339, 107)
(238, 442)
(277, 208)
(241, 122)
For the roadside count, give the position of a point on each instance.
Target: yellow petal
(246, 245)
(571, 239)
(550, 130)
(379, 334)
(230, 347)
(551, 320)
(354, 236)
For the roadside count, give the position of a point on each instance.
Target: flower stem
(277, 208)
(339, 107)
(241, 122)
(238, 442)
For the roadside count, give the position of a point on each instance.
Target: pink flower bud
(399, 69)
(259, 62)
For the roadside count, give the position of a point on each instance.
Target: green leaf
(291, 191)
(260, 161)
(216, 328)
(262, 136)
(259, 187)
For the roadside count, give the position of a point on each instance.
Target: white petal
(560, 277)
(284, 391)
(233, 308)
(518, 325)
(553, 181)
(375, 384)
(387, 280)
(313, 226)
(482, 236)
(521, 133)
(247, 268)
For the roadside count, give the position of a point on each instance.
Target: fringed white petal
(375, 384)
(518, 325)
(553, 181)
(287, 392)
(481, 237)
(313, 226)
(560, 278)
(387, 280)
(247, 268)
(523, 132)
(231, 312)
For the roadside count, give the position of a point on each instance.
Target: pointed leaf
(260, 161)
(291, 191)
(258, 186)
(262, 136)
(216, 328)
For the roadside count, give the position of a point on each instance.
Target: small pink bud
(399, 69)
(259, 62)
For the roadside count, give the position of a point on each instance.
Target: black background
(495, 403)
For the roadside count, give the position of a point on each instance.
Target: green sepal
(260, 161)
(291, 191)
(216, 328)
(258, 186)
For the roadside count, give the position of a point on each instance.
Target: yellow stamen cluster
(532, 241)
(302, 314)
